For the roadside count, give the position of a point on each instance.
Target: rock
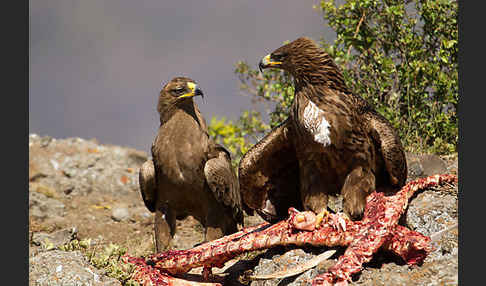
(429, 212)
(433, 164)
(75, 166)
(439, 272)
(78, 182)
(274, 260)
(452, 163)
(60, 268)
(432, 211)
(252, 220)
(120, 214)
(420, 166)
(141, 214)
(453, 168)
(335, 203)
(42, 207)
(55, 239)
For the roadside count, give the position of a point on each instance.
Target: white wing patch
(316, 124)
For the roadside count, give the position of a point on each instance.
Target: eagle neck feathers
(311, 66)
(189, 107)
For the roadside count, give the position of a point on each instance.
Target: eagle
(333, 142)
(189, 174)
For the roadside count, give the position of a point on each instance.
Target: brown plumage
(332, 142)
(189, 173)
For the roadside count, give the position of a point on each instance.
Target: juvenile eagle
(190, 174)
(332, 142)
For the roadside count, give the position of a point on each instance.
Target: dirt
(79, 188)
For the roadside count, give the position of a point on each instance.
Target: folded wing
(146, 178)
(222, 180)
(390, 147)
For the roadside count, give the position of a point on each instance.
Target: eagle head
(178, 90)
(301, 51)
(306, 62)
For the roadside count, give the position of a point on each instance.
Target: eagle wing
(146, 179)
(222, 180)
(390, 147)
(269, 175)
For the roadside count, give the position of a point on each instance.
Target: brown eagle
(189, 173)
(332, 142)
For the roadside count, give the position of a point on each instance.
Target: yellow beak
(267, 62)
(194, 91)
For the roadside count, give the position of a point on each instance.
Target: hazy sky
(97, 66)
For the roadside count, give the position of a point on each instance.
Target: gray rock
(335, 203)
(140, 213)
(433, 211)
(452, 163)
(62, 169)
(429, 212)
(439, 272)
(42, 207)
(420, 166)
(120, 214)
(60, 268)
(75, 166)
(433, 164)
(54, 239)
(272, 262)
(453, 167)
(415, 170)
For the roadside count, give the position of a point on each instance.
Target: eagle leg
(378, 229)
(338, 221)
(218, 224)
(359, 183)
(314, 192)
(310, 221)
(164, 226)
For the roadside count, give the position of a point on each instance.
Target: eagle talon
(320, 217)
(339, 221)
(302, 220)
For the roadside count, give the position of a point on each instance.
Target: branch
(356, 32)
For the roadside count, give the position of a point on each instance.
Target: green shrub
(401, 56)
(108, 259)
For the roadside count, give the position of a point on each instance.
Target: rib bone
(378, 229)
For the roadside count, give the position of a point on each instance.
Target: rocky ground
(85, 211)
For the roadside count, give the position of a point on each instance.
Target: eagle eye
(278, 56)
(178, 90)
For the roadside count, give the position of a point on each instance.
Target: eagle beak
(198, 91)
(267, 62)
(194, 91)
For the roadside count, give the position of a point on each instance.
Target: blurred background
(96, 67)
